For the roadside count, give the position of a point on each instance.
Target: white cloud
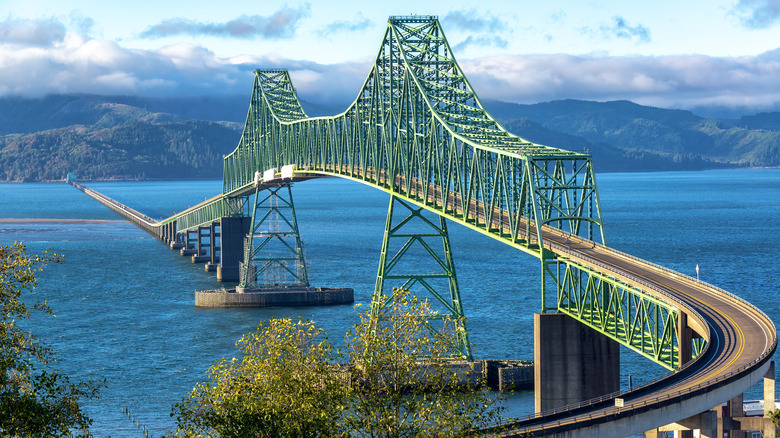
(757, 14)
(670, 81)
(44, 32)
(79, 64)
(280, 24)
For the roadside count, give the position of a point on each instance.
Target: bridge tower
(273, 251)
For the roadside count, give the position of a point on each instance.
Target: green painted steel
(639, 321)
(273, 249)
(209, 211)
(418, 131)
(416, 256)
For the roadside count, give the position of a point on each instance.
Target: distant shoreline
(58, 221)
(201, 179)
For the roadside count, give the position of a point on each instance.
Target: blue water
(125, 306)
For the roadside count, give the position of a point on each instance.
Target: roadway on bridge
(740, 338)
(739, 334)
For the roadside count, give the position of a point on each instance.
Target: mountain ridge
(127, 137)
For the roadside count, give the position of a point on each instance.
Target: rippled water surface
(125, 306)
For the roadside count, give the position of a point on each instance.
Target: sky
(683, 54)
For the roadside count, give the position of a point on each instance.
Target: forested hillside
(105, 137)
(99, 140)
(652, 135)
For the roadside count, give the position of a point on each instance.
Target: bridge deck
(740, 339)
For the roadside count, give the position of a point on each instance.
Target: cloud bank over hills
(52, 55)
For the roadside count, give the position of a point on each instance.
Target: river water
(125, 304)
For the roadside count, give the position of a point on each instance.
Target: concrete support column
(204, 247)
(708, 427)
(572, 362)
(685, 353)
(706, 423)
(719, 418)
(213, 243)
(685, 339)
(233, 231)
(769, 399)
(736, 409)
(191, 236)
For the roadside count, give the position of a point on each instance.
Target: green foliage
(775, 417)
(404, 383)
(622, 135)
(284, 386)
(101, 140)
(113, 137)
(34, 402)
(399, 383)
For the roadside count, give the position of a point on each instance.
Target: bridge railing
(689, 278)
(629, 408)
(143, 221)
(208, 212)
(417, 117)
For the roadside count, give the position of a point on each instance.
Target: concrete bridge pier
(190, 242)
(233, 231)
(203, 245)
(213, 261)
(169, 233)
(730, 419)
(572, 362)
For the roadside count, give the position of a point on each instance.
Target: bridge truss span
(418, 131)
(417, 125)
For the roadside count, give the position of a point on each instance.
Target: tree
(406, 382)
(774, 416)
(34, 402)
(284, 386)
(399, 382)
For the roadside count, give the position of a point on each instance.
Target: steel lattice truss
(273, 251)
(418, 131)
(644, 324)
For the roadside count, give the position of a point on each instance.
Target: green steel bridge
(418, 131)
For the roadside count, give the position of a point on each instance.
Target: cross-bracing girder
(273, 249)
(418, 131)
(416, 256)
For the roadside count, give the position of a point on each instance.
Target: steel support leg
(409, 261)
(273, 253)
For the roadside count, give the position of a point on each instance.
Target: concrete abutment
(572, 362)
(233, 232)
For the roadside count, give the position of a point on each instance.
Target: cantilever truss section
(418, 131)
(618, 310)
(208, 212)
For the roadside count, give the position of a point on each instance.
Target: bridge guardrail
(680, 394)
(631, 407)
(693, 280)
(144, 222)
